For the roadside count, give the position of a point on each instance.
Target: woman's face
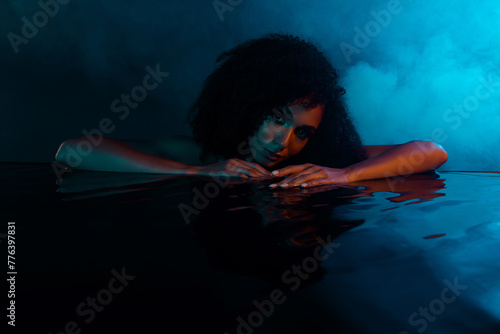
(283, 135)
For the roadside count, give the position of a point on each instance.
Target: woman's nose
(282, 137)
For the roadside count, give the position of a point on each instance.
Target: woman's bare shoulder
(178, 148)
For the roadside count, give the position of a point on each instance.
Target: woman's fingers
(261, 170)
(251, 169)
(316, 182)
(248, 172)
(297, 181)
(288, 170)
(305, 175)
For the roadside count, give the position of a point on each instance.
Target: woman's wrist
(175, 167)
(192, 170)
(353, 173)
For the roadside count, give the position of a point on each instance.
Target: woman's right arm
(112, 155)
(173, 155)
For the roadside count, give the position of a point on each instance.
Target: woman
(272, 103)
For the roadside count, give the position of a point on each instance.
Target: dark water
(113, 253)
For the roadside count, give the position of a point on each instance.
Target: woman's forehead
(307, 116)
(301, 112)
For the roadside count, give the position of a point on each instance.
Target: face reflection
(284, 134)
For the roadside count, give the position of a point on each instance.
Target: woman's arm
(383, 161)
(374, 150)
(112, 155)
(173, 155)
(406, 159)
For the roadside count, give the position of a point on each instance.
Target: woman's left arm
(406, 159)
(383, 161)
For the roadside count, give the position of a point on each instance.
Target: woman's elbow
(435, 152)
(442, 153)
(64, 151)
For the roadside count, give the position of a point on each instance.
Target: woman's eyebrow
(288, 112)
(308, 127)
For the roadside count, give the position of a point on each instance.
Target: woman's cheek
(296, 148)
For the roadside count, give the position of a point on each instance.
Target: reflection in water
(393, 243)
(89, 184)
(248, 227)
(292, 218)
(270, 230)
(422, 187)
(250, 230)
(269, 234)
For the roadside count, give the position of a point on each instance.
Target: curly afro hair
(273, 71)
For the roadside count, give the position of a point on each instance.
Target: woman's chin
(264, 161)
(268, 164)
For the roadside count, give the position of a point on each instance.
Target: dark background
(404, 83)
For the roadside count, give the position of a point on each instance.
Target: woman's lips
(272, 156)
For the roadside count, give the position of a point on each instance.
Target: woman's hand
(234, 168)
(308, 175)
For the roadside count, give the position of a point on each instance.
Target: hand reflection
(424, 187)
(80, 181)
(295, 204)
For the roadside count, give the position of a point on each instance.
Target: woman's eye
(303, 135)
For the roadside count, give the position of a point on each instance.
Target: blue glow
(404, 78)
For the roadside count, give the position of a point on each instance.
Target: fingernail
(303, 185)
(274, 185)
(275, 172)
(284, 185)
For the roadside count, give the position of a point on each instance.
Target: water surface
(414, 254)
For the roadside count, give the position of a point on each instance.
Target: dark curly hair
(253, 78)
